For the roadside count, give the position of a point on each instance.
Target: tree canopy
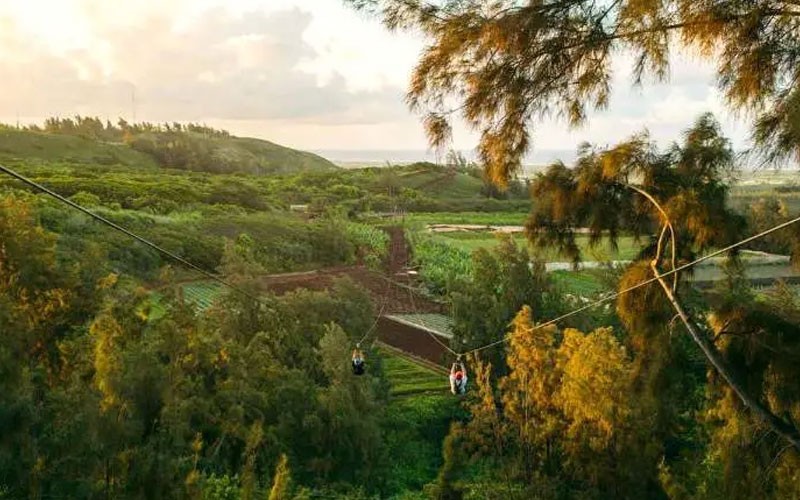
(504, 64)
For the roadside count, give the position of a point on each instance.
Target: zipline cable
(425, 327)
(154, 246)
(385, 298)
(614, 295)
(125, 231)
(377, 317)
(222, 281)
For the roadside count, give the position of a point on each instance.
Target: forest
(623, 335)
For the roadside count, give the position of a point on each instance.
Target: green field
(201, 294)
(487, 218)
(418, 417)
(586, 283)
(410, 379)
(469, 241)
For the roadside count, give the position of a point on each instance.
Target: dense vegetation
(108, 391)
(194, 391)
(184, 385)
(123, 377)
(622, 402)
(187, 147)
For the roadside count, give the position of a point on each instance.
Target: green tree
(679, 199)
(43, 305)
(767, 213)
(565, 422)
(502, 281)
(762, 339)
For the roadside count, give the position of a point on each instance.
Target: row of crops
(201, 294)
(440, 263)
(409, 379)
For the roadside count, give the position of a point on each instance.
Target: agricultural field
(418, 414)
(470, 241)
(585, 283)
(409, 379)
(487, 218)
(201, 294)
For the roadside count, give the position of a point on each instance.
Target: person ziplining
(458, 378)
(359, 364)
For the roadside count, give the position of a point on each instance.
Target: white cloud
(309, 73)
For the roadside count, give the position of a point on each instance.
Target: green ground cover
(470, 241)
(409, 379)
(202, 294)
(487, 218)
(417, 419)
(584, 283)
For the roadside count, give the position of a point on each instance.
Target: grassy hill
(23, 145)
(226, 154)
(186, 150)
(272, 157)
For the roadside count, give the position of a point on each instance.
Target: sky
(311, 74)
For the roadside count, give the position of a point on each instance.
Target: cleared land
(201, 294)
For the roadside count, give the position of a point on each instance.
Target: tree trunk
(781, 427)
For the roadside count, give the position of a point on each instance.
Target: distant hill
(225, 154)
(53, 148)
(187, 147)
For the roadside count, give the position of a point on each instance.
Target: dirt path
(399, 254)
(393, 291)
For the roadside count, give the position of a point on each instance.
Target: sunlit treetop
(689, 180)
(501, 65)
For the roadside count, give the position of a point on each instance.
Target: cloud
(218, 65)
(309, 73)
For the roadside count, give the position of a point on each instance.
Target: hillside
(154, 146)
(22, 145)
(201, 152)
